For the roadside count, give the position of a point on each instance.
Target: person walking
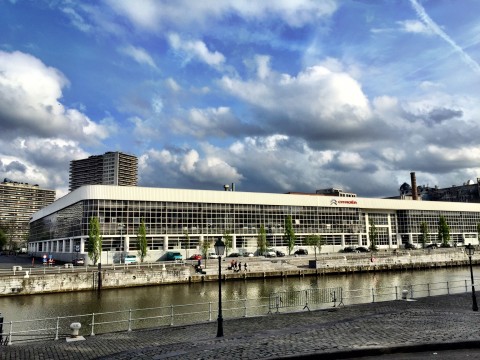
(239, 266)
(245, 267)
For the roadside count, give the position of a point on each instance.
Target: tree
(373, 233)
(142, 241)
(3, 239)
(262, 240)
(94, 245)
(289, 234)
(443, 231)
(316, 241)
(228, 240)
(187, 243)
(424, 236)
(204, 247)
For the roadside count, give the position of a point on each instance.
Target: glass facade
(185, 225)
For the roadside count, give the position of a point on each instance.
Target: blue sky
(273, 96)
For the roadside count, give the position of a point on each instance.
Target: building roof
(132, 193)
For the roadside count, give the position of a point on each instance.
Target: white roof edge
(136, 193)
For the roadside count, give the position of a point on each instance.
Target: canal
(64, 304)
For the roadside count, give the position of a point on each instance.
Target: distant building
(469, 192)
(18, 202)
(112, 168)
(335, 192)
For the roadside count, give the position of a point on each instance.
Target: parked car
(195, 257)
(78, 262)
(173, 255)
(350, 249)
(270, 253)
(279, 253)
(248, 254)
(301, 252)
(234, 254)
(362, 249)
(410, 246)
(212, 255)
(431, 246)
(130, 259)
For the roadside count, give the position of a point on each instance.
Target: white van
(130, 259)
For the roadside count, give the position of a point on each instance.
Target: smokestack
(414, 186)
(233, 186)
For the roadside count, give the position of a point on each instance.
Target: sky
(274, 95)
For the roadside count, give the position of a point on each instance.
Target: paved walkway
(434, 323)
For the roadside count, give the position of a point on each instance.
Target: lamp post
(470, 251)
(120, 226)
(219, 250)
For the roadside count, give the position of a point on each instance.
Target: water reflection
(53, 305)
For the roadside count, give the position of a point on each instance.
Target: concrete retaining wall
(24, 284)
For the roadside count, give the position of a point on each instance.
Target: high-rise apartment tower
(18, 202)
(111, 168)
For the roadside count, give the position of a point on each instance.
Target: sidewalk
(434, 323)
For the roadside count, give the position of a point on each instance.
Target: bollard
(404, 294)
(75, 327)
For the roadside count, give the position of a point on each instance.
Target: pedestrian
(33, 261)
(239, 266)
(245, 266)
(199, 264)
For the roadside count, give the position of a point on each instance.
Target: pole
(220, 318)
(474, 298)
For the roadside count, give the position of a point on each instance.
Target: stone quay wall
(86, 279)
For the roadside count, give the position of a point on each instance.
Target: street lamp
(470, 251)
(219, 250)
(120, 226)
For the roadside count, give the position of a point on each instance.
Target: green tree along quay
(228, 240)
(289, 234)
(316, 241)
(3, 239)
(204, 247)
(373, 234)
(443, 231)
(94, 245)
(262, 240)
(187, 243)
(142, 241)
(424, 231)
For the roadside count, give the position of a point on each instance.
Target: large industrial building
(182, 219)
(111, 168)
(18, 201)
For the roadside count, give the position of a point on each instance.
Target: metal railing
(172, 315)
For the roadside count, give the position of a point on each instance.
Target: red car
(196, 257)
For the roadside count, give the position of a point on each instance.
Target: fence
(131, 319)
(305, 298)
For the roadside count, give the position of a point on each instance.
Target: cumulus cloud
(185, 168)
(317, 103)
(216, 122)
(30, 94)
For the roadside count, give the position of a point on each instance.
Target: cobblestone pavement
(441, 323)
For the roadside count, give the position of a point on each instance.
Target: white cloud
(196, 49)
(316, 101)
(415, 26)
(153, 15)
(139, 55)
(30, 94)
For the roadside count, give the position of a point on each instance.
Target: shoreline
(39, 280)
